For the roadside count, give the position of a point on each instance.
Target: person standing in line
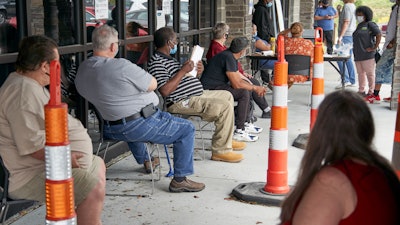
(347, 25)
(384, 67)
(324, 17)
(366, 40)
(342, 179)
(262, 18)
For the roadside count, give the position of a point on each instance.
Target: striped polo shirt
(163, 68)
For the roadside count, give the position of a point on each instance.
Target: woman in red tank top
(342, 179)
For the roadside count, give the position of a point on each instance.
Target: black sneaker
(266, 114)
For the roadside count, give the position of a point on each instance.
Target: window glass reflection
(8, 27)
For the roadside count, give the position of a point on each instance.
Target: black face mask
(324, 6)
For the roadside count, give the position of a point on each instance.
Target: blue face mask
(255, 35)
(173, 50)
(269, 4)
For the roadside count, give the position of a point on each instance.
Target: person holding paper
(184, 94)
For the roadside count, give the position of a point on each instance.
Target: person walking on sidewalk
(384, 67)
(342, 179)
(185, 95)
(347, 25)
(123, 93)
(366, 40)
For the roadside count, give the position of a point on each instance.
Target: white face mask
(360, 19)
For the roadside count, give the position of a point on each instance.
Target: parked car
(91, 20)
(7, 10)
(135, 5)
(141, 17)
(138, 16)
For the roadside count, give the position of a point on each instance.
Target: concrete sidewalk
(214, 205)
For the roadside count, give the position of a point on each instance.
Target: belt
(144, 112)
(126, 119)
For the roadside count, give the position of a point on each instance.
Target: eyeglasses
(175, 42)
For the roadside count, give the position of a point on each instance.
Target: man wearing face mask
(184, 94)
(324, 16)
(124, 95)
(262, 18)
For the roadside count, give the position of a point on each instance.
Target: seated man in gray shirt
(124, 95)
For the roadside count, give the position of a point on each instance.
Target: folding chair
(197, 118)
(154, 147)
(299, 65)
(10, 207)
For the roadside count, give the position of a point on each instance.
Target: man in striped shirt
(185, 95)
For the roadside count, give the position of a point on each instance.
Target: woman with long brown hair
(342, 179)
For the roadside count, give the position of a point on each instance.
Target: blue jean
(384, 67)
(159, 128)
(267, 64)
(349, 73)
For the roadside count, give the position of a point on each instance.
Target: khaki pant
(212, 106)
(84, 181)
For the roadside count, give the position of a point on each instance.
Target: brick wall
(37, 21)
(396, 75)
(239, 20)
(307, 13)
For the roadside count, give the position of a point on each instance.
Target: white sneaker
(251, 128)
(241, 135)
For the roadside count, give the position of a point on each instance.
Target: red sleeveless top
(375, 200)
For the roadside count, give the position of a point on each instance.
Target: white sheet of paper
(197, 54)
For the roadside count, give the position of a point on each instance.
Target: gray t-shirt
(364, 37)
(348, 13)
(115, 86)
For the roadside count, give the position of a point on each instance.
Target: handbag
(377, 55)
(373, 40)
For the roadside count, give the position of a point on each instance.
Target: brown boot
(227, 157)
(185, 186)
(238, 145)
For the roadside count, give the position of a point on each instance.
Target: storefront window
(8, 27)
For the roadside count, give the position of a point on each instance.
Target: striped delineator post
(60, 207)
(396, 144)
(317, 93)
(277, 174)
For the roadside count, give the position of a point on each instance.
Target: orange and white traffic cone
(60, 207)
(277, 174)
(317, 93)
(396, 144)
